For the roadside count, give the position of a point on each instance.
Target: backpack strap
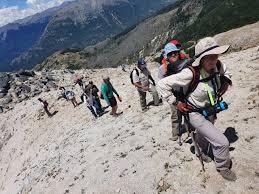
(164, 63)
(195, 80)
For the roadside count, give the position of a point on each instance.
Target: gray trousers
(207, 133)
(142, 96)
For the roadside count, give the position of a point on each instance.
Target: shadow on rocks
(231, 134)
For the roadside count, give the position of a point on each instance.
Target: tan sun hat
(208, 46)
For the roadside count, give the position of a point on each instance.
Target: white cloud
(10, 14)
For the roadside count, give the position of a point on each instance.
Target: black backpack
(131, 74)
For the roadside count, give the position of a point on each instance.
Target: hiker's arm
(114, 90)
(151, 78)
(139, 85)
(166, 85)
(161, 72)
(96, 89)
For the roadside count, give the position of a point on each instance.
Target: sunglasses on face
(172, 54)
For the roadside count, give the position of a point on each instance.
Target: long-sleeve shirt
(199, 97)
(107, 91)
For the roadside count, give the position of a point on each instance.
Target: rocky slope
(133, 153)
(71, 153)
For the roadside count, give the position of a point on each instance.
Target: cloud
(10, 14)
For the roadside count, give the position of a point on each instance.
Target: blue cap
(170, 48)
(141, 61)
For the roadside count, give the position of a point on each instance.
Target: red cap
(175, 42)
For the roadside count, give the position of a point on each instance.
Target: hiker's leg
(114, 110)
(208, 132)
(154, 93)
(175, 131)
(73, 100)
(96, 106)
(47, 111)
(113, 103)
(99, 102)
(92, 111)
(142, 97)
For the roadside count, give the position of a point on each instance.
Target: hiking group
(192, 87)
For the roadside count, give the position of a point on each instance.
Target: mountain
(186, 20)
(18, 37)
(75, 24)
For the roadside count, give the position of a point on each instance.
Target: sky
(11, 10)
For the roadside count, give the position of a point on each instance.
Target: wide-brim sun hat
(208, 46)
(170, 47)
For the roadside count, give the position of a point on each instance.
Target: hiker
(172, 64)
(95, 91)
(203, 84)
(92, 105)
(140, 77)
(183, 55)
(45, 106)
(79, 80)
(107, 91)
(69, 96)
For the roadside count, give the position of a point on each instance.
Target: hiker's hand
(145, 88)
(119, 98)
(183, 107)
(223, 89)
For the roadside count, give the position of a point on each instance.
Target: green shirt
(107, 91)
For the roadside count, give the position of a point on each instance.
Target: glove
(183, 107)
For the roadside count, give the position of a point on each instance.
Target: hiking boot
(228, 174)
(205, 158)
(145, 109)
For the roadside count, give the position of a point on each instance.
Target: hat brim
(215, 51)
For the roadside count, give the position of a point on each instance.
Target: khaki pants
(174, 121)
(142, 96)
(207, 133)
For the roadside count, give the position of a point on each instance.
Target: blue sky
(8, 3)
(11, 10)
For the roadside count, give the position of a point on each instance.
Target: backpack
(176, 67)
(131, 75)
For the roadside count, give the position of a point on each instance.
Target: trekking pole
(196, 148)
(180, 123)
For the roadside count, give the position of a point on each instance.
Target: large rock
(5, 100)
(26, 73)
(4, 82)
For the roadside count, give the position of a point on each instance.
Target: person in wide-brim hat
(205, 95)
(208, 46)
